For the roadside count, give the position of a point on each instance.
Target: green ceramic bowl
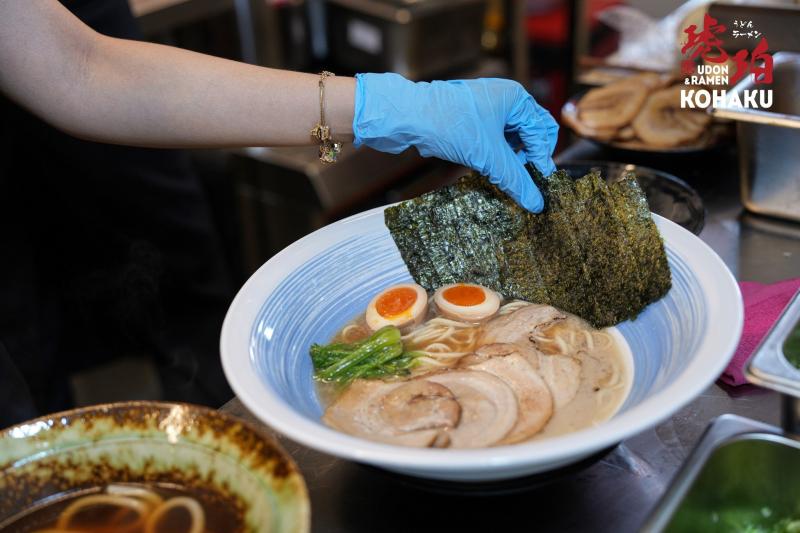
(154, 443)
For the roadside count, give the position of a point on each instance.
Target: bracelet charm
(328, 149)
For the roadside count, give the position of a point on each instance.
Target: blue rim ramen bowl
(308, 291)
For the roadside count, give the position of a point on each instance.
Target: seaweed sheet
(594, 251)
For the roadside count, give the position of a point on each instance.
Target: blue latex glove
(469, 122)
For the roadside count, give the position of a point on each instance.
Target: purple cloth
(763, 305)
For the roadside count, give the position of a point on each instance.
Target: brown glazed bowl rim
(250, 446)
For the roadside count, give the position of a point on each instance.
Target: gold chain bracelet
(328, 149)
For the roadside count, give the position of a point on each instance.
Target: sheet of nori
(594, 251)
(473, 220)
(564, 257)
(607, 261)
(414, 256)
(624, 196)
(644, 239)
(439, 240)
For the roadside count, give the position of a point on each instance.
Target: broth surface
(602, 390)
(220, 516)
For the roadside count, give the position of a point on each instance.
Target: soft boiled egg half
(466, 301)
(399, 305)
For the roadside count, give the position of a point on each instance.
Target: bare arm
(144, 94)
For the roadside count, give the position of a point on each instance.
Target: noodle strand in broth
(149, 510)
(141, 508)
(443, 341)
(190, 504)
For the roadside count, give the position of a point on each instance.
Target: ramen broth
(106, 516)
(606, 364)
(606, 378)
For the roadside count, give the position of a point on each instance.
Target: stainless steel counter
(617, 492)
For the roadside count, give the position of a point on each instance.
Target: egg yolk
(464, 295)
(395, 301)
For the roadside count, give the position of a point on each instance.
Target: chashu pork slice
(520, 326)
(613, 105)
(534, 400)
(489, 408)
(561, 373)
(663, 123)
(405, 413)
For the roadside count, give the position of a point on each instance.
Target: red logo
(707, 45)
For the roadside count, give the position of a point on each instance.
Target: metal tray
(768, 367)
(419, 39)
(738, 464)
(769, 161)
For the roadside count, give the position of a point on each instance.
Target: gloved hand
(469, 122)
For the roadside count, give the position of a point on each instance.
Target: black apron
(105, 251)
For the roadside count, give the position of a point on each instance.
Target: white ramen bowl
(308, 291)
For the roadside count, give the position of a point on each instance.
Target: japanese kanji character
(762, 72)
(704, 43)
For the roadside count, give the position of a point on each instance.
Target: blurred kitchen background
(263, 199)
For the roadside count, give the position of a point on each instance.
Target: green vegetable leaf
(378, 356)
